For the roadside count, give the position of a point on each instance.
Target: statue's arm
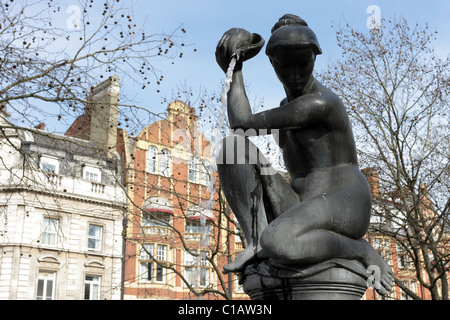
(239, 109)
(301, 112)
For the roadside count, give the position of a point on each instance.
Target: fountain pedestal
(335, 279)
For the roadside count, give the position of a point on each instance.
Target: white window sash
(46, 285)
(152, 159)
(165, 163)
(92, 288)
(50, 231)
(48, 164)
(95, 237)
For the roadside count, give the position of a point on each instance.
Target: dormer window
(92, 174)
(48, 164)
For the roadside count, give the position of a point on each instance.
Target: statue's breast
(309, 136)
(305, 149)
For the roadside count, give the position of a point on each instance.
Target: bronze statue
(324, 211)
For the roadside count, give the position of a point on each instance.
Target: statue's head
(292, 31)
(292, 50)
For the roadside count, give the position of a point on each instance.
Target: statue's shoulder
(283, 102)
(329, 97)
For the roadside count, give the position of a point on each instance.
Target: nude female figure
(325, 209)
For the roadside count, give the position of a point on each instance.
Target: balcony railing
(158, 231)
(198, 237)
(53, 179)
(78, 187)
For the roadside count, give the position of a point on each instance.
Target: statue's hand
(239, 43)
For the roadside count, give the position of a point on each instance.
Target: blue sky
(206, 21)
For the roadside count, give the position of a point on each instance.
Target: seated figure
(324, 211)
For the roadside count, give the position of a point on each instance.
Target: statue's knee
(269, 242)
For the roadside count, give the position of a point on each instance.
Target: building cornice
(16, 189)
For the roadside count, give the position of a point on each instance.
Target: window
(161, 252)
(146, 252)
(146, 266)
(204, 277)
(161, 255)
(155, 222)
(193, 170)
(92, 174)
(409, 285)
(165, 163)
(92, 287)
(404, 261)
(199, 171)
(46, 285)
(377, 244)
(95, 237)
(197, 268)
(160, 273)
(152, 159)
(147, 271)
(48, 164)
(238, 286)
(50, 231)
(193, 226)
(205, 173)
(150, 271)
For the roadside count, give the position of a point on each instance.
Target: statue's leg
(322, 228)
(240, 168)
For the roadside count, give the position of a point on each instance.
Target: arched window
(165, 163)
(152, 159)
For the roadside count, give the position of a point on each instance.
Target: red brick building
(177, 242)
(390, 248)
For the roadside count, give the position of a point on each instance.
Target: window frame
(165, 163)
(46, 232)
(91, 284)
(194, 169)
(46, 279)
(152, 218)
(51, 161)
(195, 223)
(94, 171)
(152, 151)
(205, 176)
(193, 263)
(155, 272)
(95, 238)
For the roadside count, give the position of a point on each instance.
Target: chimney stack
(4, 115)
(104, 114)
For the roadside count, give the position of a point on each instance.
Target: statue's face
(293, 66)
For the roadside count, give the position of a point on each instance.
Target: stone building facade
(61, 216)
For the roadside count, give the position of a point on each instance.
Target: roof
(60, 142)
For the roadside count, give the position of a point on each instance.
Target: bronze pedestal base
(332, 280)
